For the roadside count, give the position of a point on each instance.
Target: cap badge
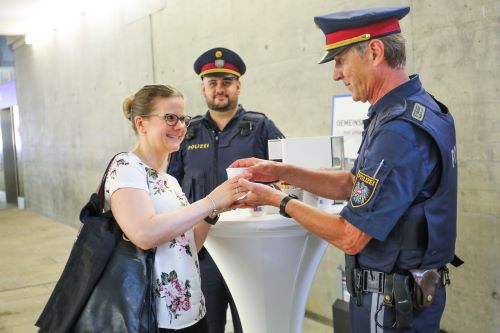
(218, 54)
(219, 63)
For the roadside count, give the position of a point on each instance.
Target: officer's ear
(203, 87)
(238, 86)
(375, 51)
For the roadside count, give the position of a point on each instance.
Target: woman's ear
(139, 124)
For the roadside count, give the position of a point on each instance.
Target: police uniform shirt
(398, 165)
(200, 164)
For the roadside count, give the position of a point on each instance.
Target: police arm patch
(363, 189)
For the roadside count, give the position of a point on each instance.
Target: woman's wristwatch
(284, 202)
(212, 220)
(214, 215)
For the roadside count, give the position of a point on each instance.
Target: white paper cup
(232, 172)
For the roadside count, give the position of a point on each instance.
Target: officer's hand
(261, 170)
(228, 192)
(245, 162)
(259, 194)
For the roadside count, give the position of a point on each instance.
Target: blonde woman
(153, 212)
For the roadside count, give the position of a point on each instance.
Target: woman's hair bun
(127, 106)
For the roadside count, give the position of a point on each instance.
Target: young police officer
(214, 140)
(398, 228)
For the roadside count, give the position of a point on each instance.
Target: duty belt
(372, 281)
(402, 292)
(369, 281)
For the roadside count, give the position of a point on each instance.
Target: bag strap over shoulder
(100, 189)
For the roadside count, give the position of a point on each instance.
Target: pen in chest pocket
(378, 168)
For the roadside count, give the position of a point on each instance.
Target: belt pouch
(350, 276)
(403, 301)
(424, 287)
(388, 290)
(353, 278)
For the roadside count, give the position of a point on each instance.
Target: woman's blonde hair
(142, 102)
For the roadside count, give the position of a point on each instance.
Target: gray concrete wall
(71, 87)
(70, 90)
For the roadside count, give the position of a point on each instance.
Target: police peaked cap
(219, 60)
(344, 29)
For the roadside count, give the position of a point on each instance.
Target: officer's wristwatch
(284, 202)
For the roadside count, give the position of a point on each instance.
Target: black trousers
(199, 327)
(217, 295)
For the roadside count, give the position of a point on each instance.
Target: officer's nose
(337, 73)
(219, 87)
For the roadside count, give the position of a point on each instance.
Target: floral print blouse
(179, 299)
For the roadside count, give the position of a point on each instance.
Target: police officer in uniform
(226, 132)
(398, 228)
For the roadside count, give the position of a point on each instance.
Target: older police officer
(398, 228)
(226, 132)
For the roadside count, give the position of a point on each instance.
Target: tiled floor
(33, 251)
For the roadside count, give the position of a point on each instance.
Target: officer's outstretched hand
(259, 194)
(228, 192)
(261, 170)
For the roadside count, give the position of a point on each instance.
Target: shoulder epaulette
(394, 109)
(254, 116)
(191, 130)
(196, 120)
(249, 121)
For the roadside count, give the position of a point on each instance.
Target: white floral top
(179, 299)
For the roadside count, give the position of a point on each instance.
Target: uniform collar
(208, 120)
(410, 87)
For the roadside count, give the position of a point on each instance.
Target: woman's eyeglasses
(172, 119)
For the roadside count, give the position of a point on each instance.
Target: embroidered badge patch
(362, 192)
(418, 112)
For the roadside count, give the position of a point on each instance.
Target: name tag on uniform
(418, 112)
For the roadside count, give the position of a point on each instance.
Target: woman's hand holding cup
(229, 192)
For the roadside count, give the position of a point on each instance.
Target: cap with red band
(219, 61)
(344, 29)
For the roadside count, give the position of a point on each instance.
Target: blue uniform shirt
(200, 164)
(399, 176)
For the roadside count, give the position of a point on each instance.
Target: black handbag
(107, 283)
